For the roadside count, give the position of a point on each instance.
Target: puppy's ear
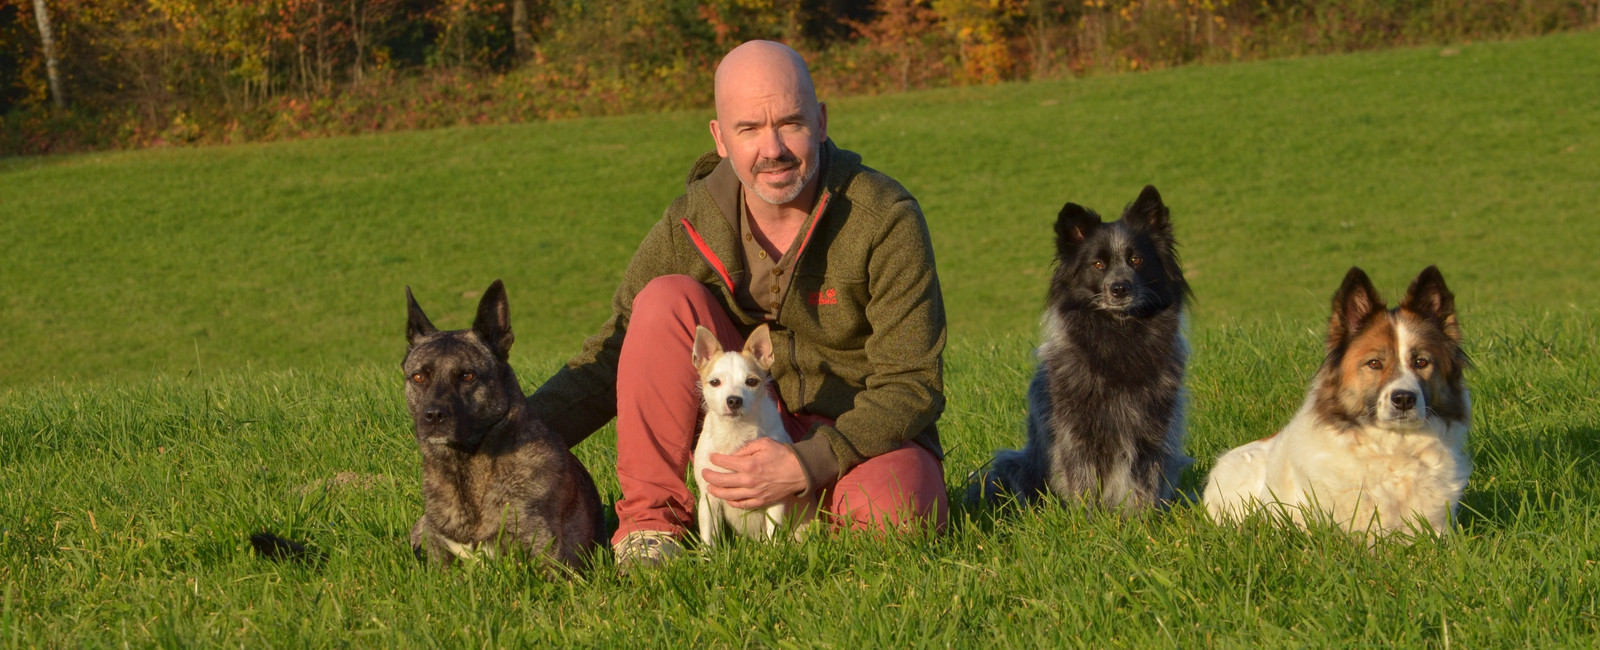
(493, 323)
(1429, 298)
(1149, 213)
(706, 346)
(1073, 225)
(1354, 302)
(759, 346)
(417, 324)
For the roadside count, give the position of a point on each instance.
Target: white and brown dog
(740, 407)
(1379, 445)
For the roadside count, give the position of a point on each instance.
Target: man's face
(772, 136)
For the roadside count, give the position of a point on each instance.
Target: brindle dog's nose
(433, 415)
(1404, 400)
(1120, 289)
(735, 402)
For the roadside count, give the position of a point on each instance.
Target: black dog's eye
(1420, 363)
(714, 382)
(1099, 265)
(417, 378)
(1136, 261)
(468, 376)
(752, 382)
(1375, 364)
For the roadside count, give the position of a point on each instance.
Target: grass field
(202, 343)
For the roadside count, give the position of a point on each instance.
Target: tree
(52, 68)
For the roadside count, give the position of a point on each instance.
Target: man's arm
(581, 397)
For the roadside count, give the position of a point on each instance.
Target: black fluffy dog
(1106, 407)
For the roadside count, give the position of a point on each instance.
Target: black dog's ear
(1354, 302)
(493, 323)
(1429, 298)
(417, 324)
(1073, 225)
(1149, 212)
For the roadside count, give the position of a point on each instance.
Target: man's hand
(759, 474)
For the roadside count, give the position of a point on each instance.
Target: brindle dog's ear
(1429, 298)
(493, 323)
(1354, 302)
(1073, 225)
(417, 324)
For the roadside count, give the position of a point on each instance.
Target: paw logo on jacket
(826, 297)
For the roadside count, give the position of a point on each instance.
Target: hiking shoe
(646, 548)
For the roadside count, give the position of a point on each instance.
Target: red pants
(658, 403)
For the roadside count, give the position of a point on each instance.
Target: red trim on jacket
(822, 205)
(705, 251)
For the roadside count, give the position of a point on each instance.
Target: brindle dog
(495, 481)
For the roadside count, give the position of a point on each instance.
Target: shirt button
(777, 271)
(748, 236)
(774, 305)
(761, 254)
(774, 288)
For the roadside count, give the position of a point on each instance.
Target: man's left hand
(761, 473)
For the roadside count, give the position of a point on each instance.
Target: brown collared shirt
(762, 294)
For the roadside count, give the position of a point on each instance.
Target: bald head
(763, 69)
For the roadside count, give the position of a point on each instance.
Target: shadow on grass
(1505, 503)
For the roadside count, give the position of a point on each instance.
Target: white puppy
(740, 407)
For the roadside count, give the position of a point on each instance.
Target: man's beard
(791, 191)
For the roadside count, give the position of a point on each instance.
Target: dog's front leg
(427, 546)
(709, 517)
(775, 516)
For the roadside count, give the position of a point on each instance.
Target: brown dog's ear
(493, 322)
(1353, 303)
(759, 346)
(417, 324)
(706, 346)
(1429, 298)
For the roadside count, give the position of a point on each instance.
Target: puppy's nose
(735, 402)
(1120, 289)
(1404, 400)
(433, 415)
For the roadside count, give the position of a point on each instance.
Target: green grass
(204, 343)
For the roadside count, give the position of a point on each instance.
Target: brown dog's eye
(714, 382)
(1136, 261)
(1375, 364)
(468, 376)
(1420, 363)
(752, 382)
(1099, 265)
(418, 378)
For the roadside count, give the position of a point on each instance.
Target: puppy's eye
(1099, 265)
(752, 382)
(1135, 261)
(1375, 364)
(1420, 363)
(714, 382)
(417, 378)
(468, 376)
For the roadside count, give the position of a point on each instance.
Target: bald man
(777, 226)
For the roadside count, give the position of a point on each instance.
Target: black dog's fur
(495, 480)
(1106, 406)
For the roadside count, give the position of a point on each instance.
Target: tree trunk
(521, 38)
(52, 68)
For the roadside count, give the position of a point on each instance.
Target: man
(778, 226)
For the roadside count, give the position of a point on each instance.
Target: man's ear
(716, 136)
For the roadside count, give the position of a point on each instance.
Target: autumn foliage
(158, 72)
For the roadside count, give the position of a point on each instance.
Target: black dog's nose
(1120, 289)
(433, 415)
(1404, 400)
(735, 402)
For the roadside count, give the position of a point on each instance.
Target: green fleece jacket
(859, 336)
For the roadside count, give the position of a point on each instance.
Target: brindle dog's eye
(468, 376)
(752, 382)
(1375, 364)
(418, 378)
(1136, 261)
(1420, 363)
(1099, 264)
(714, 382)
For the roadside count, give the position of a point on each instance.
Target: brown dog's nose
(1404, 400)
